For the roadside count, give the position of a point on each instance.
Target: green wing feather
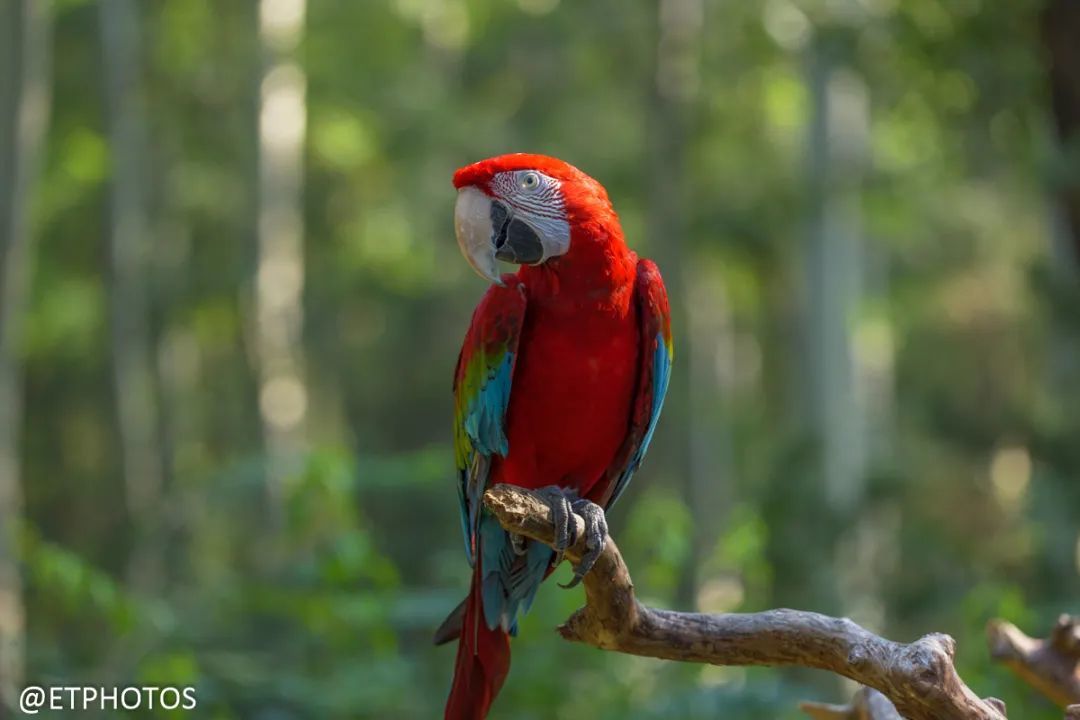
(482, 383)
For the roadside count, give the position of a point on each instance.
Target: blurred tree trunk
(1061, 42)
(837, 139)
(1061, 30)
(134, 384)
(279, 280)
(24, 106)
(834, 415)
(675, 86)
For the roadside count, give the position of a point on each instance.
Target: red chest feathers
(571, 399)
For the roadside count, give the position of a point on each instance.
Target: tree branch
(868, 704)
(1052, 665)
(919, 678)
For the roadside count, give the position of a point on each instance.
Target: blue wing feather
(485, 411)
(482, 389)
(654, 376)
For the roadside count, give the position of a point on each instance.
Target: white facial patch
(537, 200)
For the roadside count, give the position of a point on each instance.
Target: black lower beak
(514, 240)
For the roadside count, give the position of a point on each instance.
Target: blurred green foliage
(323, 608)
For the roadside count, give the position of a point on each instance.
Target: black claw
(574, 581)
(595, 538)
(564, 505)
(561, 515)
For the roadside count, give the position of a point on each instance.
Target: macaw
(558, 388)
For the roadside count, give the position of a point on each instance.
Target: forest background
(231, 302)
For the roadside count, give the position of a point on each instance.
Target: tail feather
(451, 627)
(483, 660)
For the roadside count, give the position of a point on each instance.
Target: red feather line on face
(480, 173)
(584, 196)
(545, 201)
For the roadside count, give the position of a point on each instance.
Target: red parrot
(558, 387)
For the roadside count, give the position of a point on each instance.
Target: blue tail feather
(510, 581)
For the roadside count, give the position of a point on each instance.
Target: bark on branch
(868, 704)
(1052, 665)
(918, 678)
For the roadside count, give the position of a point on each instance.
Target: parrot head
(523, 209)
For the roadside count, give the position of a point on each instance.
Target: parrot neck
(598, 271)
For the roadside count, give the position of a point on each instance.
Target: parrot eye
(530, 181)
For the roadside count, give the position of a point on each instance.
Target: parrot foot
(596, 532)
(564, 504)
(562, 509)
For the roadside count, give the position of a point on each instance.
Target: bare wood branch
(1052, 665)
(868, 704)
(919, 678)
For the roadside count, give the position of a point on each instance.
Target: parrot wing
(657, 353)
(485, 369)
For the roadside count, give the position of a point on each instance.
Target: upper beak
(488, 231)
(473, 227)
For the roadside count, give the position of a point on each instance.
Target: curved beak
(472, 225)
(487, 231)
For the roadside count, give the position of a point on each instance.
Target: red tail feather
(483, 659)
